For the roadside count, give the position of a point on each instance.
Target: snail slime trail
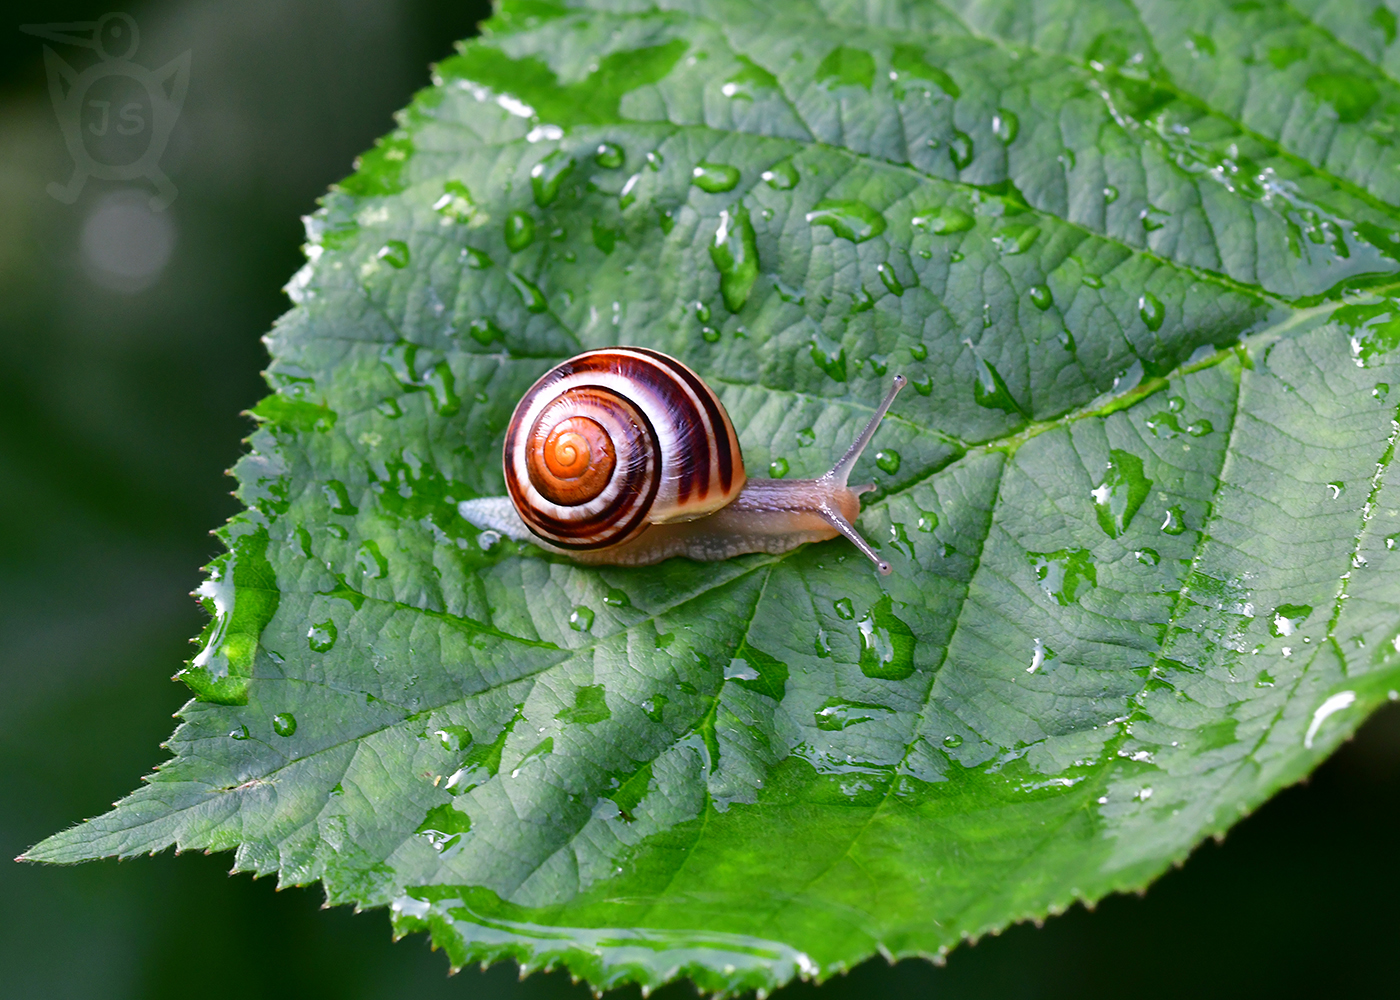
(624, 456)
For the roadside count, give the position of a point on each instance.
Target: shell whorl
(613, 440)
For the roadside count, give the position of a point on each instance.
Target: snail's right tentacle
(833, 517)
(841, 471)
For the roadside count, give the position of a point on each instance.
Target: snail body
(624, 456)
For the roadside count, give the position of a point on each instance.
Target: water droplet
(960, 149)
(806, 437)
(547, 176)
(1015, 239)
(886, 643)
(1176, 404)
(1375, 330)
(1065, 574)
(1337, 487)
(923, 386)
(321, 637)
(1152, 311)
(371, 561)
(628, 194)
(456, 202)
(338, 497)
(1163, 425)
(615, 598)
(887, 460)
(928, 520)
(654, 707)
(990, 390)
(655, 160)
(519, 230)
(778, 468)
(952, 741)
(581, 619)
(337, 531)
(590, 707)
(1066, 340)
(851, 220)
(1153, 218)
(284, 723)
(1380, 392)
(1392, 540)
(715, 177)
(395, 254)
(442, 389)
(241, 733)
(844, 608)
(782, 176)
(892, 282)
(477, 260)
(709, 334)
(1110, 194)
(1148, 557)
(735, 255)
(836, 714)
(485, 332)
(946, 221)
(453, 738)
(918, 351)
(1041, 297)
(822, 645)
(1005, 124)
(829, 356)
(530, 295)
(899, 540)
(1199, 428)
(444, 827)
(609, 155)
(1175, 521)
(1286, 619)
(1118, 497)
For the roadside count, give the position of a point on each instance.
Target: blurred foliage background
(129, 345)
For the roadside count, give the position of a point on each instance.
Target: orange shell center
(573, 462)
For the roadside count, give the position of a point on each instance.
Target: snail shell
(615, 440)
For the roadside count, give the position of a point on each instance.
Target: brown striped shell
(614, 440)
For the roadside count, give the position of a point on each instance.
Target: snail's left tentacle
(841, 471)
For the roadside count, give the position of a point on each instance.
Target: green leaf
(1136, 261)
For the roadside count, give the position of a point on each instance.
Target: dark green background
(119, 413)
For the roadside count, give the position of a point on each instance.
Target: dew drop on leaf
(1151, 311)
(284, 724)
(887, 643)
(395, 254)
(1175, 521)
(778, 468)
(891, 282)
(609, 155)
(549, 175)
(844, 608)
(715, 177)
(519, 231)
(781, 176)
(1041, 297)
(850, 220)
(1006, 125)
(960, 150)
(581, 618)
(734, 252)
(887, 460)
(615, 598)
(321, 637)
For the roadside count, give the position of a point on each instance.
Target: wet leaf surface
(1136, 263)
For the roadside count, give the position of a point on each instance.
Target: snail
(623, 456)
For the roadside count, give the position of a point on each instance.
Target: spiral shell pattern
(614, 440)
